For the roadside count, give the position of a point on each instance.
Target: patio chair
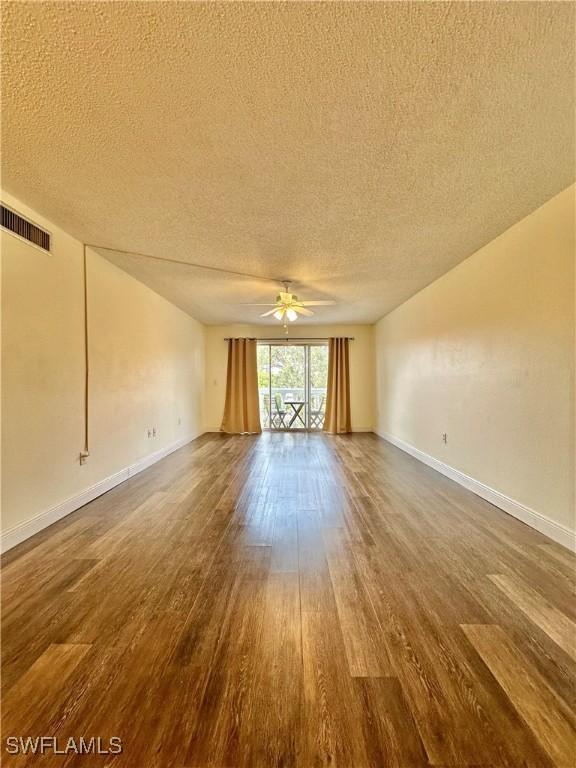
(267, 413)
(317, 414)
(279, 412)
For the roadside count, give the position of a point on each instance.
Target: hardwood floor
(291, 600)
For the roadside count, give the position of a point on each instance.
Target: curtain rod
(296, 338)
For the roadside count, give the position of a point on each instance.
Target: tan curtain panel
(337, 419)
(241, 410)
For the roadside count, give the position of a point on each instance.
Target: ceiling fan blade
(249, 304)
(302, 311)
(317, 303)
(271, 312)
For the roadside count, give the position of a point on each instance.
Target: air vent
(23, 228)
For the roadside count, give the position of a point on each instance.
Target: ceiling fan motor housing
(286, 298)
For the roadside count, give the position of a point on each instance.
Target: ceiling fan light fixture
(288, 306)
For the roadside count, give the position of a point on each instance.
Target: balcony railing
(285, 408)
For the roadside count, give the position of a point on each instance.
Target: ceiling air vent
(23, 228)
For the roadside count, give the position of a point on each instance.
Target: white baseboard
(24, 530)
(354, 429)
(558, 533)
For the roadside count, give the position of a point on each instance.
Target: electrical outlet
(84, 457)
(444, 437)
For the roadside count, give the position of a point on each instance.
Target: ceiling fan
(288, 306)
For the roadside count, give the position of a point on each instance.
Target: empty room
(288, 384)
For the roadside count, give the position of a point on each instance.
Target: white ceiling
(362, 149)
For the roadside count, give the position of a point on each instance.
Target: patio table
(297, 406)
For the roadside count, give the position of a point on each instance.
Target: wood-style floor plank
(552, 621)
(28, 702)
(365, 651)
(292, 601)
(545, 713)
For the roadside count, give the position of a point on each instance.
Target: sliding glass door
(318, 379)
(292, 385)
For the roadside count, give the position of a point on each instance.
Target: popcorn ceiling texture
(362, 149)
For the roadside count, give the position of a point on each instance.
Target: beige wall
(486, 354)
(361, 365)
(146, 371)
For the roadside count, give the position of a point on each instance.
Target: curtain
(337, 418)
(241, 410)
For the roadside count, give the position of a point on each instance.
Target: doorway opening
(292, 380)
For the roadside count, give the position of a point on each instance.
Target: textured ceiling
(362, 149)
